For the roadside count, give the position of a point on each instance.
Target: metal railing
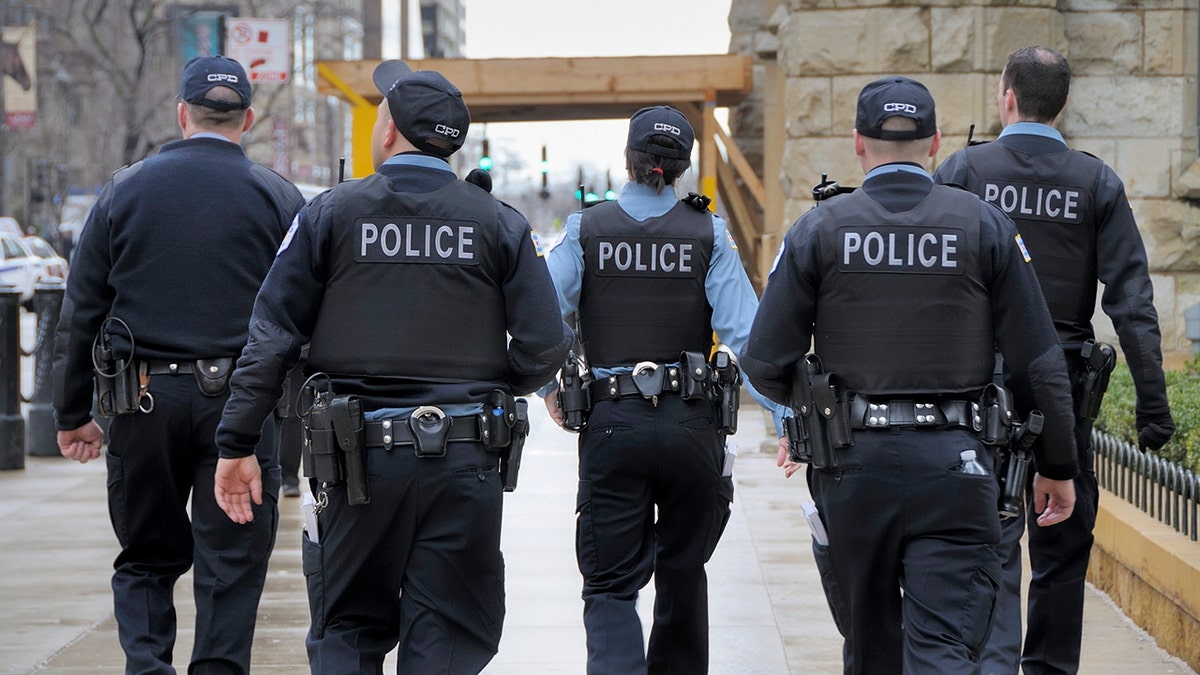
(1158, 487)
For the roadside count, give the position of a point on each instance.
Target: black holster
(1014, 470)
(574, 397)
(727, 386)
(996, 416)
(117, 385)
(822, 405)
(1099, 358)
(347, 417)
(335, 449)
(505, 425)
(510, 458)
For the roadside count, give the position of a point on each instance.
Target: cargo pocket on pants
(833, 589)
(314, 577)
(585, 535)
(721, 511)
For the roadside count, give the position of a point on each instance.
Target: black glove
(1154, 430)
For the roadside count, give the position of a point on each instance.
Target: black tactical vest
(414, 285)
(1053, 205)
(642, 296)
(902, 306)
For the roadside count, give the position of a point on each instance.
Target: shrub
(1117, 415)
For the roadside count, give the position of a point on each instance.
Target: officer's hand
(81, 444)
(1053, 499)
(238, 481)
(789, 467)
(1154, 430)
(554, 409)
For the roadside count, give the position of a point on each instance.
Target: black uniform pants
(1058, 560)
(420, 565)
(155, 461)
(637, 461)
(910, 571)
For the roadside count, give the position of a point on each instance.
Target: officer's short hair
(207, 117)
(1041, 78)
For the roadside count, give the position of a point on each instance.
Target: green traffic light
(485, 163)
(610, 195)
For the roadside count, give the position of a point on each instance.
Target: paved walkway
(768, 613)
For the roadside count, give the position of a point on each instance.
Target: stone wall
(1133, 99)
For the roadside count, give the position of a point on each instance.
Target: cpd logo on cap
(670, 129)
(900, 107)
(446, 131)
(222, 77)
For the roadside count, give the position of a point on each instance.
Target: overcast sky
(533, 28)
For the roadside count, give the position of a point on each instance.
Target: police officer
(380, 276)
(903, 287)
(1073, 215)
(651, 276)
(166, 270)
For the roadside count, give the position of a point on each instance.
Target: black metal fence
(1161, 488)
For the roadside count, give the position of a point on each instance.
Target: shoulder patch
(287, 238)
(1021, 245)
(729, 236)
(537, 243)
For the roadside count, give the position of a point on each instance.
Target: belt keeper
(388, 437)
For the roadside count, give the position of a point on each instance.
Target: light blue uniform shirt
(1032, 129)
(727, 287)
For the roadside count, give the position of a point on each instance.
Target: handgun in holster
(728, 385)
(1014, 473)
(574, 397)
(822, 404)
(505, 423)
(1099, 359)
(117, 385)
(996, 416)
(510, 459)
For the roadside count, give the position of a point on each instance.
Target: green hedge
(1183, 391)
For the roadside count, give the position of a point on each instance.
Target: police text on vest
(416, 240)
(905, 250)
(1033, 201)
(645, 256)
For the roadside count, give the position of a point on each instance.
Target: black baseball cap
(202, 73)
(428, 110)
(648, 125)
(895, 96)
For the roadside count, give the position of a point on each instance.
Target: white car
(19, 267)
(53, 264)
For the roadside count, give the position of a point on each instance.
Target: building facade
(1133, 100)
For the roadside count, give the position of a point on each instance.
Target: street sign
(262, 46)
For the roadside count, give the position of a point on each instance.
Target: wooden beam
(502, 90)
(744, 170)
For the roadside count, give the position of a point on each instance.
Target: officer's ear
(937, 142)
(181, 115)
(860, 146)
(249, 121)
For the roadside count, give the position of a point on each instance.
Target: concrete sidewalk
(768, 612)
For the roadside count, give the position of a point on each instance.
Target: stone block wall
(1133, 100)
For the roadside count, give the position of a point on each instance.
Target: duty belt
(620, 386)
(392, 432)
(932, 413)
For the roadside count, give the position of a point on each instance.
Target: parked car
(19, 267)
(53, 264)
